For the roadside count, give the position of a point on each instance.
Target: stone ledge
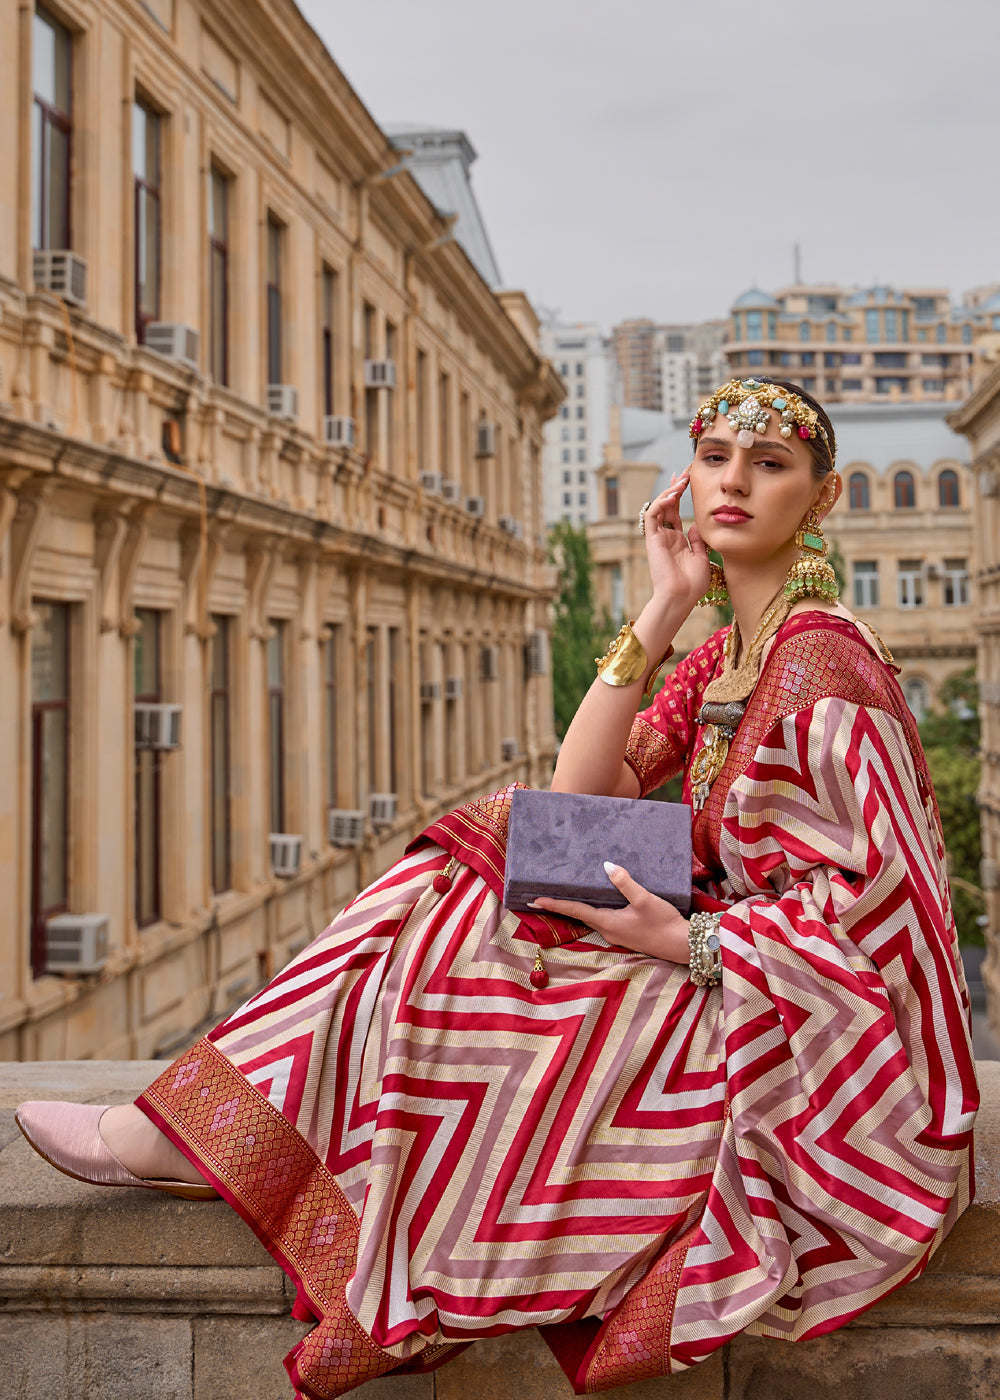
(132, 1295)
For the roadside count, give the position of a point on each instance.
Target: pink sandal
(68, 1136)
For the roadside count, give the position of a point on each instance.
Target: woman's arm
(592, 756)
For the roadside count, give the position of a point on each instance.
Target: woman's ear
(829, 494)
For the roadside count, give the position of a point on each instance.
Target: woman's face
(749, 501)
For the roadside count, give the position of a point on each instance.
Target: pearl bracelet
(706, 949)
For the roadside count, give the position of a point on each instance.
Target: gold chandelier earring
(717, 594)
(812, 575)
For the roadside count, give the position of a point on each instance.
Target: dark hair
(823, 453)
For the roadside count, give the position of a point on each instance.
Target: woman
(660, 1131)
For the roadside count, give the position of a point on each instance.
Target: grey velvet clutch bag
(557, 843)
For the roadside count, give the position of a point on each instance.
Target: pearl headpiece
(745, 402)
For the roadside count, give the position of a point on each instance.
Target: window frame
(858, 485)
(40, 913)
(903, 481)
(218, 268)
(148, 775)
(144, 193)
(61, 121)
(220, 759)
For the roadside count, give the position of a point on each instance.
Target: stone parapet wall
(132, 1295)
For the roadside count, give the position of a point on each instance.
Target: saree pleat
(436, 1150)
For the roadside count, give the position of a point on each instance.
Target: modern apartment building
(574, 441)
(861, 345)
(273, 588)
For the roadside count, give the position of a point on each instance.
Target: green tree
(578, 633)
(951, 741)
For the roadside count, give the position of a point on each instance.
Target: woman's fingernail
(610, 868)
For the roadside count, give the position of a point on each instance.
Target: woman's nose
(736, 477)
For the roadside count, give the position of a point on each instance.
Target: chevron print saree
(435, 1150)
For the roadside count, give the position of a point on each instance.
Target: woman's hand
(678, 564)
(647, 924)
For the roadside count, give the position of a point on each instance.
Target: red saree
(435, 1150)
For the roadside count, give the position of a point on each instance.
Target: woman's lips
(730, 515)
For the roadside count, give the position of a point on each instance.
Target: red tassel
(441, 883)
(538, 977)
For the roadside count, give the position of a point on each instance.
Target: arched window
(918, 696)
(857, 491)
(948, 488)
(902, 491)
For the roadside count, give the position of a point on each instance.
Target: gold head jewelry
(745, 403)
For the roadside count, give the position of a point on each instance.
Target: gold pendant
(708, 763)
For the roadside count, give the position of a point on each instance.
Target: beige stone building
(903, 529)
(273, 590)
(860, 345)
(979, 419)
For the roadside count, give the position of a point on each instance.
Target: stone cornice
(964, 417)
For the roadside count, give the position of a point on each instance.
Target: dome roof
(754, 298)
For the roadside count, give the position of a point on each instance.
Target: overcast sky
(647, 158)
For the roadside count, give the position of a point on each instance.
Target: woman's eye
(770, 464)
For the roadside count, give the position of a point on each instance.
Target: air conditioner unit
(286, 853)
(283, 401)
(932, 571)
(508, 749)
(476, 505)
(382, 806)
(61, 271)
(380, 374)
(452, 491)
(536, 653)
(510, 526)
(173, 340)
(453, 687)
(489, 663)
(486, 439)
(339, 431)
(429, 690)
(431, 482)
(345, 828)
(157, 726)
(76, 942)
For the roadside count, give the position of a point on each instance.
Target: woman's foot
(71, 1136)
(142, 1148)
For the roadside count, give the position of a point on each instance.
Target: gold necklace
(726, 698)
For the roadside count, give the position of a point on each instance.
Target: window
(564, 369)
(755, 357)
(581, 390)
(851, 386)
(567, 478)
(932, 386)
(966, 334)
(865, 573)
(808, 357)
(831, 386)
(444, 423)
(857, 491)
(617, 593)
(581, 411)
(850, 357)
(328, 665)
(892, 384)
(911, 583)
(891, 328)
(567, 455)
(581, 497)
(871, 325)
(581, 434)
(219, 758)
(49, 771)
(941, 333)
(579, 367)
(276, 724)
(917, 694)
(148, 689)
(890, 359)
(956, 583)
(391, 350)
(275, 249)
(146, 171)
(581, 454)
(830, 361)
(564, 411)
(371, 690)
(902, 491)
(218, 275)
(51, 132)
(809, 385)
(394, 705)
(831, 330)
(566, 435)
(611, 495)
(948, 488)
(328, 312)
(754, 326)
(804, 333)
(567, 499)
(581, 477)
